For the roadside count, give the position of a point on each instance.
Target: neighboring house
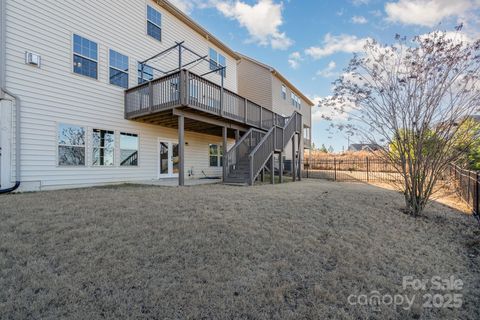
(266, 86)
(363, 147)
(98, 92)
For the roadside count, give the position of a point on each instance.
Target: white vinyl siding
(54, 94)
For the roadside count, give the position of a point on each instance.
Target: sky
(311, 41)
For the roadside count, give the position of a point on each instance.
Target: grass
(289, 251)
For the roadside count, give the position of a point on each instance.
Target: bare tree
(412, 98)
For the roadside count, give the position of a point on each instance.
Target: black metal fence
(467, 184)
(364, 170)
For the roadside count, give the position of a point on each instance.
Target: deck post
(181, 150)
(237, 135)
(224, 152)
(280, 170)
(150, 96)
(300, 152)
(222, 102)
(272, 168)
(294, 160)
(261, 118)
(262, 174)
(179, 57)
(245, 106)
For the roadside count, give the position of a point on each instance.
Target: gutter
(3, 91)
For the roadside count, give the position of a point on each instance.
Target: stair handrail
(229, 159)
(261, 141)
(254, 173)
(293, 119)
(239, 142)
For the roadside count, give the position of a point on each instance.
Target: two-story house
(98, 92)
(266, 86)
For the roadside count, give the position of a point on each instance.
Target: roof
(363, 146)
(177, 13)
(279, 76)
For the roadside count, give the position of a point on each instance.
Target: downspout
(3, 91)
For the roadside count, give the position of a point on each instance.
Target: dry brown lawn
(291, 251)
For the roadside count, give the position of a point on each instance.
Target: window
(216, 61)
(216, 155)
(146, 75)
(284, 92)
(71, 145)
(103, 147)
(85, 57)
(296, 101)
(154, 23)
(118, 69)
(128, 149)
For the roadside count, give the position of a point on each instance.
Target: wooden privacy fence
(354, 169)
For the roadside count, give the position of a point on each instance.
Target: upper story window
(284, 92)
(145, 73)
(154, 23)
(296, 102)
(217, 60)
(85, 57)
(118, 69)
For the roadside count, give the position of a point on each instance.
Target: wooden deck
(207, 106)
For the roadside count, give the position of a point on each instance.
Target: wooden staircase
(251, 154)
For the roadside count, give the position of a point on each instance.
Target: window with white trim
(118, 69)
(217, 60)
(216, 155)
(85, 57)
(103, 147)
(284, 92)
(71, 145)
(296, 102)
(128, 149)
(154, 23)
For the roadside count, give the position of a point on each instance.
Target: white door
(168, 159)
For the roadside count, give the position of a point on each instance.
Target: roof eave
(279, 76)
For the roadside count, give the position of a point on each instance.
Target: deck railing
(262, 152)
(153, 96)
(239, 153)
(184, 88)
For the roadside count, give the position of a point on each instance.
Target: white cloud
(326, 112)
(185, 5)
(334, 44)
(262, 20)
(294, 59)
(359, 20)
(427, 12)
(328, 71)
(455, 36)
(360, 2)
